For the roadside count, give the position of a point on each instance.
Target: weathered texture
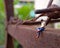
(39, 22)
(26, 36)
(9, 9)
(9, 13)
(47, 10)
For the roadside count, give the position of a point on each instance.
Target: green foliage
(16, 2)
(2, 9)
(58, 26)
(2, 34)
(15, 44)
(2, 16)
(23, 12)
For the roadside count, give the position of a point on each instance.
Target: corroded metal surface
(39, 22)
(47, 10)
(9, 9)
(9, 13)
(26, 36)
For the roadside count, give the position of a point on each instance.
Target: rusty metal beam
(26, 36)
(9, 13)
(35, 23)
(9, 8)
(47, 10)
(9, 41)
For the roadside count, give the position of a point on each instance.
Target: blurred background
(24, 10)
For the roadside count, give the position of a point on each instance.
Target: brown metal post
(50, 3)
(9, 41)
(9, 13)
(9, 9)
